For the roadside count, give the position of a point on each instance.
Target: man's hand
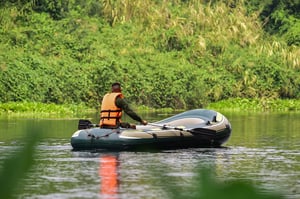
(144, 122)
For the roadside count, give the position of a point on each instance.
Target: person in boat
(113, 104)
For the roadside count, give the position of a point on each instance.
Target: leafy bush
(280, 18)
(188, 56)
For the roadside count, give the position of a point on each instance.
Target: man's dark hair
(116, 84)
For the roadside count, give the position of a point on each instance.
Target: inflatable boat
(193, 128)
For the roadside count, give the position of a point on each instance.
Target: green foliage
(256, 104)
(36, 109)
(207, 186)
(178, 54)
(15, 167)
(280, 18)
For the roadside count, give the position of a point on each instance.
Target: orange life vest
(110, 113)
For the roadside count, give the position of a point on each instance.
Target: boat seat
(186, 122)
(134, 134)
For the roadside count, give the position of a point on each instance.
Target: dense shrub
(178, 54)
(280, 17)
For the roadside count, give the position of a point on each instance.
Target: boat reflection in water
(108, 173)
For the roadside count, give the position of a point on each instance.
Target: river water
(264, 149)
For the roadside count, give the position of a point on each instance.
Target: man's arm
(121, 103)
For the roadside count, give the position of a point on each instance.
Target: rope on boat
(98, 137)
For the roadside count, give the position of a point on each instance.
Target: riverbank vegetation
(167, 54)
(37, 109)
(256, 105)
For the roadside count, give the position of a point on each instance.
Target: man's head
(116, 87)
